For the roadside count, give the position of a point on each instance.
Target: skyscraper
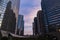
(40, 23)
(13, 7)
(51, 10)
(35, 27)
(21, 24)
(9, 19)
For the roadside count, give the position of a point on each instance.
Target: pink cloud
(30, 14)
(28, 31)
(29, 19)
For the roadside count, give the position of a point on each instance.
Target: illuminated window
(59, 30)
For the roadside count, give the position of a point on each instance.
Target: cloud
(29, 18)
(28, 30)
(29, 9)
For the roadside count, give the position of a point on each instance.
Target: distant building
(40, 23)
(35, 28)
(20, 24)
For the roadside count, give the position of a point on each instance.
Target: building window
(0, 25)
(0, 21)
(0, 15)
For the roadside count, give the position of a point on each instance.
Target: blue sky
(29, 8)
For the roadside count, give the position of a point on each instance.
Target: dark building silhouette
(9, 19)
(17, 31)
(35, 28)
(8, 8)
(40, 23)
(51, 10)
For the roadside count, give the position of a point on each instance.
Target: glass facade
(3, 4)
(14, 7)
(20, 24)
(51, 9)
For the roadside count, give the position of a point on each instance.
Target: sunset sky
(29, 8)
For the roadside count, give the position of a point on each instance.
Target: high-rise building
(20, 24)
(51, 10)
(40, 23)
(9, 19)
(35, 27)
(9, 8)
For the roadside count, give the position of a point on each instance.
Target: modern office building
(35, 27)
(40, 23)
(8, 8)
(21, 25)
(51, 10)
(9, 19)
